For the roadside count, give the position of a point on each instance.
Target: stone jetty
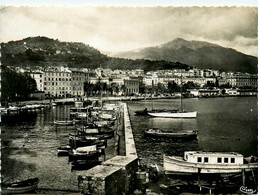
(118, 174)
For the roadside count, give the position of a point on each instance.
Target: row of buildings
(63, 81)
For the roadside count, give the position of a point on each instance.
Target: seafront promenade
(92, 99)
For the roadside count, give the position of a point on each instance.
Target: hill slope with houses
(44, 52)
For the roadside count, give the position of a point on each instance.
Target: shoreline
(111, 98)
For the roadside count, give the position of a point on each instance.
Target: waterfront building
(39, 78)
(95, 80)
(246, 81)
(131, 86)
(57, 82)
(118, 81)
(222, 81)
(78, 80)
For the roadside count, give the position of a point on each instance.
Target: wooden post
(243, 176)
(199, 178)
(254, 176)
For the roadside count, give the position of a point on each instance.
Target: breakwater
(116, 175)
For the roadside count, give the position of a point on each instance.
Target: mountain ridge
(199, 54)
(43, 51)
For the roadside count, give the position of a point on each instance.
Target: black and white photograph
(129, 98)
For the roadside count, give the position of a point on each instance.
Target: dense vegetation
(42, 51)
(16, 86)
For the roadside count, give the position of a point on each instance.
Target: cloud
(127, 28)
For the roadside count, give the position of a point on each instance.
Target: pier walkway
(116, 175)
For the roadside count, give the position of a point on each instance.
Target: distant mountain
(200, 54)
(43, 51)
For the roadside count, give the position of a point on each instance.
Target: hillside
(43, 51)
(198, 54)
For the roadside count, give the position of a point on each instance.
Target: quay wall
(116, 175)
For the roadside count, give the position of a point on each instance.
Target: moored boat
(25, 186)
(64, 150)
(179, 113)
(168, 114)
(208, 163)
(158, 133)
(84, 153)
(64, 122)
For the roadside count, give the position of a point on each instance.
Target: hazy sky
(127, 28)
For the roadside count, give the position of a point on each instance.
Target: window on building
(219, 160)
(232, 160)
(225, 160)
(199, 159)
(206, 159)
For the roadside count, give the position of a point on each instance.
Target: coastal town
(128, 100)
(61, 82)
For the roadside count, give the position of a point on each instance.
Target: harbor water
(223, 125)
(29, 140)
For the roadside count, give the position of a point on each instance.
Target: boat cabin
(214, 157)
(86, 150)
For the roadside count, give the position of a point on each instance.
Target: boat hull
(20, 187)
(177, 166)
(64, 123)
(172, 135)
(174, 115)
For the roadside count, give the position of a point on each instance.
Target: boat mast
(152, 93)
(181, 103)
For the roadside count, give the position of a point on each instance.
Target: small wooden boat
(184, 134)
(84, 153)
(208, 163)
(98, 132)
(25, 186)
(64, 150)
(53, 104)
(103, 123)
(81, 141)
(64, 123)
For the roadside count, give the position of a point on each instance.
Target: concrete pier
(116, 175)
